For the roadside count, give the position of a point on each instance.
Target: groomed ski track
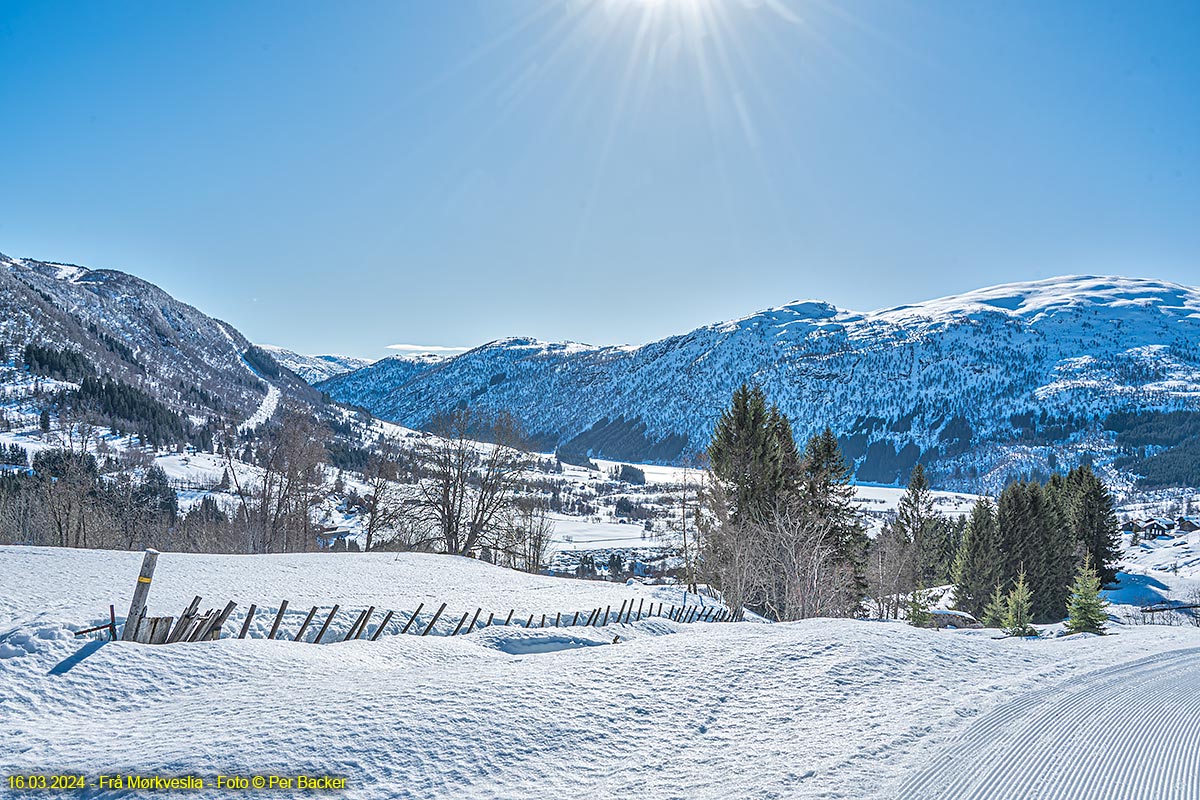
(1127, 732)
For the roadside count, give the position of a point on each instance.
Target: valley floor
(823, 708)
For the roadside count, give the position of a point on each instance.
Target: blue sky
(339, 177)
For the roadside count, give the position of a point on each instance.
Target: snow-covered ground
(823, 708)
(1127, 731)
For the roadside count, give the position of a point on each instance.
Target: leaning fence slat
(557, 618)
(354, 626)
(510, 613)
(621, 613)
(200, 625)
(304, 626)
(640, 601)
(433, 621)
(328, 620)
(543, 621)
(185, 619)
(214, 630)
(461, 622)
(386, 619)
(629, 613)
(529, 623)
(475, 619)
(575, 620)
(491, 615)
(362, 626)
(249, 618)
(278, 619)
(412, 618)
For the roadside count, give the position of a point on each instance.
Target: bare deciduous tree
(472, 485)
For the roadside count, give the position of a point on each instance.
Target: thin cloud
(426, 348)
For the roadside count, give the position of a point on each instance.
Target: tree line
(783, 537)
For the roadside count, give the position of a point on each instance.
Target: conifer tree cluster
(67, 365)
(1045, 532)
(14, 454)
(786, 540)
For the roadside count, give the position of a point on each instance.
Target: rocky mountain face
(110, 325)
(1010, 380)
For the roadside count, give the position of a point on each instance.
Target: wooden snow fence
(193, 626)
(413, 623)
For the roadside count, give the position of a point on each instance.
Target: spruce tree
(1094, 522)
(1018, 616)
(1058, 553)
(1086, 608)
(827, 496)
(745, 455)
(919, 615)
(916, 520)
(976, 567)
(996, 609)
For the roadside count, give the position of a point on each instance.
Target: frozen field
(829, 709)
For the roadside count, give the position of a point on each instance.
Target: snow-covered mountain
(371, 386)
(315, 369)
(1014, 378)
(114, 325)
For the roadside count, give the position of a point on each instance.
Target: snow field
(822, 708)
(75, 587)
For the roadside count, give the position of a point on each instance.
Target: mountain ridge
(927, 381)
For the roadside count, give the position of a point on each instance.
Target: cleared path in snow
(267, 407)
(1126, 732)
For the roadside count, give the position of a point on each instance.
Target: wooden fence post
(112, 624)
(304, 626)
(475, 619)
(529, 624)
(491, 616)
(543, 621)
(575, 620)
(141, 591)
(412, 618)
(557, 618)
(640, 601)
(510, 613)
(461, 622)
(246, 624)
(429, 627)
(328, 620)
(278, 619)
(386, 619)
(620, 613)
(591, 616)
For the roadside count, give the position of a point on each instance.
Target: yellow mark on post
(143, 579)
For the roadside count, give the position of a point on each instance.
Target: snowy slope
(315, 369)
(950, 380)
(824, 708)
